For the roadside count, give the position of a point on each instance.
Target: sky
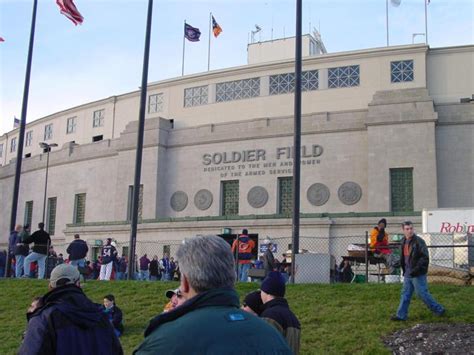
(73, 65)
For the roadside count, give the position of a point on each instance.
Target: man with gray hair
(210, 318)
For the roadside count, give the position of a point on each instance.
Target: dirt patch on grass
(434, 338)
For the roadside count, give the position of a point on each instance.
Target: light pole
(47, 147)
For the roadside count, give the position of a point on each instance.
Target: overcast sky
(73, 65)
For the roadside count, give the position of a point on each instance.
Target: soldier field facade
(385, 132)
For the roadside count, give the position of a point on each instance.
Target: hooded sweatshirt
(69, 323)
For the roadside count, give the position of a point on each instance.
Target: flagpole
(386, 17)
(209, 46)
(184, 46)
(426, 21)
(297, 142)
(21, 139)
(139, 152)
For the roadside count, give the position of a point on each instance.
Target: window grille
(401, 71)
(285, 195)
(401, 189)
(238, 89)
(195, 96)
(343, 77)
(230, 198)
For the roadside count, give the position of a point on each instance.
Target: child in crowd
(114, 313)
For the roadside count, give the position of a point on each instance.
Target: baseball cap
(64, 274)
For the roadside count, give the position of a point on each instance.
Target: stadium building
(385, 132)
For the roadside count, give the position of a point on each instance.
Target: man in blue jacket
(77, 251)
(67, 322)
(209, 321)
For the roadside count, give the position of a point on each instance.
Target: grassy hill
(335, 319)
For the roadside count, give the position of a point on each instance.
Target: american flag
(16, 122)
(1, 39)
(68, 9)
(215, 27)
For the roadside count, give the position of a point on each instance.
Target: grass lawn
(335, 319)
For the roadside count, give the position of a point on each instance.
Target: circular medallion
(179, 201)
(318, 194)
(257, 197)
(203, 199)
(349, 193)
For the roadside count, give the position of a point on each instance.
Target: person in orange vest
(244, 245)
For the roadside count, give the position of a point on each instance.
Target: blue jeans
(243, 272)
(144, 275)
(78, 262)
(20, 261)
(120, 275)
(166, 276)
(418, 284)
(40, 258)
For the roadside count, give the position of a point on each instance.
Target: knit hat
(384, 221)
(64, 274)
(254, 301)
(274, 284)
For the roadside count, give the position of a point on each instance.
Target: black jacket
(115, 317)
(42, 241)
(154, 270)
(419, 256)
(20, 248)
(268, 261)
(69, 323)
(278, 313)
(77, 249)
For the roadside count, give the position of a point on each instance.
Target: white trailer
(452, 227)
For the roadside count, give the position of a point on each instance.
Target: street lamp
(46, 148)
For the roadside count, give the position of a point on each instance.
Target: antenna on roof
(257, 30)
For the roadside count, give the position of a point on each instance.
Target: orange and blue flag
(215, 27)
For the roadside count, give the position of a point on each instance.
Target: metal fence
(321, 259)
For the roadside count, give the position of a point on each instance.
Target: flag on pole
(68, 9)
(395, 3)
(1, 39)
(428, 1)
(16, 123)
(191, 33)
(215, 27)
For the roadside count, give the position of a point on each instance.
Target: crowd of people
(66, 320)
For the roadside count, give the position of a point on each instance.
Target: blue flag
(191, 33)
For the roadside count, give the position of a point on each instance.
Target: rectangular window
(28, 138)
(155, 103)
(401, 189)
(285, 195)
(28, 155)
(98, 119)
(48, 131)
(13, 145)
(167, 250)
(1, 150)
(230, 198)
(97, 138)
(195, 96)
(285, 83)
(401, 71)
(79, 208)
(130, 203)
(51, 216)
(71, 125)
(343, 77)
(28, 213)
(238, 89)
